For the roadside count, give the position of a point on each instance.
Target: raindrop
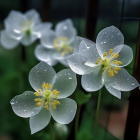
(12, 103)
(133, 83)
(70, 77)
(24, 110)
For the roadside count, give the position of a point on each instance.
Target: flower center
(106, 62)
(47, 95)
(27, 27)
(61, 45)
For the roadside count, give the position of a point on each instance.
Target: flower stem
(52, 133)
(77, 120)
(98, 106)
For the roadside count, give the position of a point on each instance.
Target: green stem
(98, 106)
(52, 132)
(77, 121)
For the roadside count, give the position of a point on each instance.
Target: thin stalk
(52, 132)
(77, 120)
(98, 106)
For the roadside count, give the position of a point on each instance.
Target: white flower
(101, 63)
(49, 98)
(57, 45)
(24, 28)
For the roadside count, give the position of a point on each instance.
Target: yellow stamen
(39, 90)
(116, 55)
(38, 104)
(119, 62)
(36, 94)
(105, 54)
(110, 51)
(47, 96)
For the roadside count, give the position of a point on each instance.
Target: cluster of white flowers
(99, 64)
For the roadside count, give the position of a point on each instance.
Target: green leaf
(82, 98)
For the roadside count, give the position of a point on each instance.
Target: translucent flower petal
(39, 121)
(63, 62)
(34, 16)
(29, 39)
(66, 83)
(66, 29)
(77, 63)
(77, 42)
(42, 28)
(14, 20)
(45, 55)
(113, 91)
(47, 39)
(23, 104)
(41, 73)
(125, 55)
(109, 38)
(65, 112)
(88, 51)
(122, 81)
(92, 81)
(7, 41)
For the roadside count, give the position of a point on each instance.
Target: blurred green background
(14, 70)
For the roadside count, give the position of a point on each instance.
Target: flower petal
(66, 83)
(23, 104)
(41, 73)
(14, 20)
(28, 39)
(77, 63)
(65, 28)
(125, 55)
(45, 55)
(40, 120)
(7, 41)
(63, 62)
(93, 80)
(113, 91)
(42, 28)
(34, 16)
(47, 39)
(78, 41)
(122, 81)
(88, 51)
(108, 38)
(65, 112)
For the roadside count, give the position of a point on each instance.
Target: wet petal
(63, 62)
(93, 80)
(47, 39)
(65, 112)
(109, 38)
(41, 73)
(42, 28)
(7, 41)
(78, 41)
(113, 91)
(77, 63)
(23, 104)
(125, 55)
(14, 20)
(40, 120)
(66, 83)
(122, 81)
(34, 16)
(65, 28)
(45, 55)
(88, 51)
